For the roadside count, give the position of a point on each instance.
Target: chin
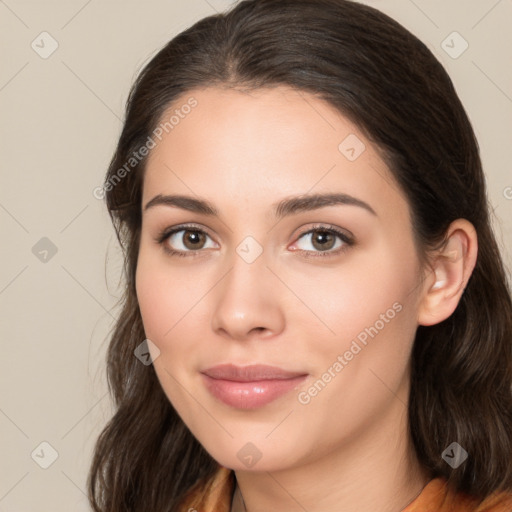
(252, 455)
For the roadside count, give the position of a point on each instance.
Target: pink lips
(249, 387)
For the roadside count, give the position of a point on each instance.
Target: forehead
(259, 146)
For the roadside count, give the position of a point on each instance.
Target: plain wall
(60, 119)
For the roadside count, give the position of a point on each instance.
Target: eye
(189, 240)
(182, 240)
(325, 241)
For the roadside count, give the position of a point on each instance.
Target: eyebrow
(281, 209)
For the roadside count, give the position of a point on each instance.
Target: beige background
(60, 120)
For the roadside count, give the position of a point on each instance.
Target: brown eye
(183, 240)
(323, 240)
(193, 239)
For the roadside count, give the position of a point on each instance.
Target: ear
(450, 269)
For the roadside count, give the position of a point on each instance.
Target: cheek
(369, 308)
(159, 296)
(161, 291)
(367, 291)
(151, 301)
(163, 311)
(170, 308)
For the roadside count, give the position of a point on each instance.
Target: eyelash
(162, 237)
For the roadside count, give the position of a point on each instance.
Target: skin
(243, 152)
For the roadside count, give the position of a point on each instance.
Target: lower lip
(250, 395)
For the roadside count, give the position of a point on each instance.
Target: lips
(250, 387)
(250, 373)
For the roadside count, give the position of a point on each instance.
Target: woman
(311, 272)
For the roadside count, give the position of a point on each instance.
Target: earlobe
(451, 269)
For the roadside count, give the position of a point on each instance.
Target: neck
(378, 471)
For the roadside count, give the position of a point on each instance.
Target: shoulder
(216, 494)
(211, 495)
(438, 496)
(497, 502)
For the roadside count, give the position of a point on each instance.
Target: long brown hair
(385, 80)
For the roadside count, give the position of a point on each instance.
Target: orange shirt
(216, 496)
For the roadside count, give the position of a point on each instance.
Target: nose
(248, 302)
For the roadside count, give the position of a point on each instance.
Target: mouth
(250, 387)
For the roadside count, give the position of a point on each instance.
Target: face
(323, 290)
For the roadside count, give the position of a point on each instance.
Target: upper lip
(250, 373)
